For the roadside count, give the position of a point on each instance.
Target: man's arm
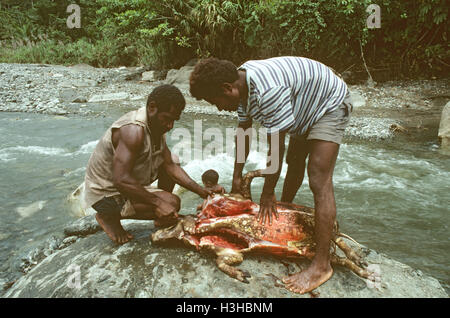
(128, 141)
(275, 157)
(180, 176)
(238, 162)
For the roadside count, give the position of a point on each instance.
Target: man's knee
(173, 200)
(320, 179)
(320, 186)
(321, 166)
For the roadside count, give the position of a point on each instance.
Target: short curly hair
(209, 75)
(165, 96)
(210, 176)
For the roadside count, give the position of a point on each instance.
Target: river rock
(71, 96)
(30, 258)
(69, 240)
(148, 76)
(84, 83)
(129, 74)
(357, 99)
(444, 128)
(180, 77)
(140, 269)
(108, 97)
(80, 99)
(82, 227)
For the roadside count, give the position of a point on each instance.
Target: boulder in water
(444, 128)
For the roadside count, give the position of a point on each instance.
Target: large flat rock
(92, 266)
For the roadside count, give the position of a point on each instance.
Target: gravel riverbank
(380, 113)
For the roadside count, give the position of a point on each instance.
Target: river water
(391, 198)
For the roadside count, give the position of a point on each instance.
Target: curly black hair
(210, 176)
(209, 75)
(166, 96)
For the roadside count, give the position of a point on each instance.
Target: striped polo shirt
(290, 93)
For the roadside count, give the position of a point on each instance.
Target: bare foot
(112, 227)
(308, 279)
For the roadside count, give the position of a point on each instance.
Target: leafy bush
(100, 54)
(413, 38)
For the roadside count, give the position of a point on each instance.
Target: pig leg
(349, 252)
(350, 265)
(226, 259)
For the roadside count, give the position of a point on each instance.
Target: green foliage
(325, 30)
(168, 33)
(413, 37)
(101, 54)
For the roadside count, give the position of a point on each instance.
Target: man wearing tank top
(130, 156)
(286, 95)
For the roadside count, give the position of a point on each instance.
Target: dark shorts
(117, 204)
(109, 205)
(330, 127)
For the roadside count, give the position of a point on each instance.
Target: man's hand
(205, 192)
(236, 185)
(216, 189)
(267, 207)
(182, 178)
(208, 191)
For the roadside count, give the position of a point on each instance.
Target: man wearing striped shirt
(287, 95)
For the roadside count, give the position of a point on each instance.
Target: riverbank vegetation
(412, 40)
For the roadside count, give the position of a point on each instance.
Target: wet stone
(82, 227)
